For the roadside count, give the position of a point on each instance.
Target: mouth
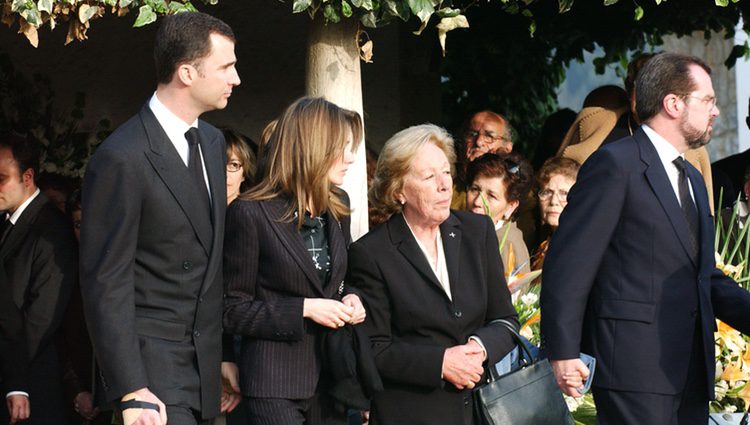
(478, 210)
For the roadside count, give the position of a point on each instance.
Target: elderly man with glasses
(485, 132)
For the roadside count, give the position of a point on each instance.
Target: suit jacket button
(196, 334)
(458, 314)
(187, 265)
(200, 299)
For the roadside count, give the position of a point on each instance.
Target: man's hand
(230, 386)
(18, 408)
(84, 405)
(144, 416)
(359, 314)
(462, 365)
(570, 375)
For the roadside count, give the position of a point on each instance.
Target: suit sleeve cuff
(12, 393)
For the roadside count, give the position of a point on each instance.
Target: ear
(186, 73)
(673, 105)
(510, 209)
(28, 177)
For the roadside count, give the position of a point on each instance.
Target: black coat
(40, 261)
(620, 281)
(411, 321)
(151, 265)
(268, 273)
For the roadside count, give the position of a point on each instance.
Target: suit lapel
(290, 239)
(214, 158)
(662, 188)
(23, 225)
(170, 168)
(706, 241)
(450, 230)
(402, 237)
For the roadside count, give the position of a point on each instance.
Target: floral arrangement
(732, 246)
(26, 106)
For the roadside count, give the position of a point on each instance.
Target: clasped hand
(570, 375)
(462, 365)
(334, 314)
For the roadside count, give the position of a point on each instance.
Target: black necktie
(686, 202)
(195, 164)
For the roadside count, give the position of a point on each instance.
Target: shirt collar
(17, 214)
(173, 125)
(666, 151)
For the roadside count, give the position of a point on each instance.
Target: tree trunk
(333, 71)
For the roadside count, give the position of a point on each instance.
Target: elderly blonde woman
(431, 280)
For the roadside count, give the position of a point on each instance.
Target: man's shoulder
(128, 138)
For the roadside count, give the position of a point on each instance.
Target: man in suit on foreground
(154, 199)
(630, 276)
(39, 266)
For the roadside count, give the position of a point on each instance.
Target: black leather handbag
(526, 396)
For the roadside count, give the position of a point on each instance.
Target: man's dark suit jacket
(40, 260)
(411, 321)
(620, 281)
(151, 265)
(13, 356)
(268, 273)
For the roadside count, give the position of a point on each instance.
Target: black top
(313, 232)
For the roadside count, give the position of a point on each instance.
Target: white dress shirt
(176, 128)
(668, 153)
(437, 265)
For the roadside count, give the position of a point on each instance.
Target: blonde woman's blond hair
(396, 158)
(308, 139)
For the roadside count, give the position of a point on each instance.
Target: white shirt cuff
(23, 393)
(479, 341)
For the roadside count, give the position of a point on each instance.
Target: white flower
(730, 408)
(529, 299)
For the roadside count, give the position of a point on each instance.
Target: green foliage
(26, 107)
(497, 64)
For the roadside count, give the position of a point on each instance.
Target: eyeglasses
(546, 195)
(710, 100)
(234, 166)
(473, 134)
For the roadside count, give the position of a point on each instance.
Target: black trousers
(689, 407)
(317, 410)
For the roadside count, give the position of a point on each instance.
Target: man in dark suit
(630, 276)
(154, 200)
(39, 262)
(13, 357)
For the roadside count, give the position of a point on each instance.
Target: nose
(349, 156)
(235, 80)
(444, 182)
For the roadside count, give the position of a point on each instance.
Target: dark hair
(25, 152)
(665, 73)
(556, 166)
(634, 67)
(516, 172)
(73, 203)
(242, 146)
(609, 97)
(185, 38)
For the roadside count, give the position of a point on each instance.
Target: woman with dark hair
(497, 185)
(240, 163)
(554, 181)
(285, 260)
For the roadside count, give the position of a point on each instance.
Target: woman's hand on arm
(329, 313)
(358, 314)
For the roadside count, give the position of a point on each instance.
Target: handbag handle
(526, 358)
